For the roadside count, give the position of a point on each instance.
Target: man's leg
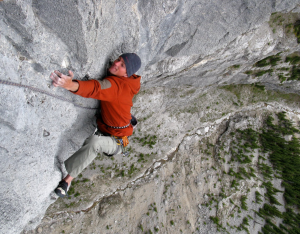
(68, 179)
(83, 157)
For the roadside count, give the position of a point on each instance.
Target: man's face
(118, 68)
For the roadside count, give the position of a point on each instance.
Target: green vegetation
(278, 157)
(258, 197)
(249, 72)
(247, 143)
(216, 221)
(292, 220)
(282, 78)
(292, 59)
(295, 73)
(131, 170)
(148, 140)
(71, 190)
(153, 207)
(243, 203)
(243, 225)
(266, 170)
(284, 156)
(189, 92)
(270, 211)
(236, 66)
(259, 94)
(290, 24)
(262, 72)
(122, 173)
(271, 191)
(273, 62)
(297, 30)
(71, 204)
(142, 157)
(269, 61)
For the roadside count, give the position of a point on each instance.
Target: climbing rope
(44, 92)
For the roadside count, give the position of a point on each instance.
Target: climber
(114, 124)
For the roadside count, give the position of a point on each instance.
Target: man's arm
(102, 90)
(66, 82)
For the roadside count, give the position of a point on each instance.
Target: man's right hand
(66, 82)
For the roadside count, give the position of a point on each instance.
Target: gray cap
(132, 63)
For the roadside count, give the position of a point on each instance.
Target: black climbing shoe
(61, 189)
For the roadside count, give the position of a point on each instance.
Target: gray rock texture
(170, 187)
(186, 47)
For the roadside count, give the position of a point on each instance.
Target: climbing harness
(117, 127)
(133, 122)
(122, 142)
(44, 92)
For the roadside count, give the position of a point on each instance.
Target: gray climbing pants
(94, 145)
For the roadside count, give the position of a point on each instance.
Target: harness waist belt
(113, 126)
(117, 127)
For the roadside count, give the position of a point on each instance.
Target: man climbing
(114, 123)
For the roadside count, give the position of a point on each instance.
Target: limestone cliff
(189, 51)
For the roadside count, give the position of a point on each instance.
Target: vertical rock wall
(180, 42)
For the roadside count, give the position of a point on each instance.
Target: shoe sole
(58, 192)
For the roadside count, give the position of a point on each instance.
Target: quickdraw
(122, 141)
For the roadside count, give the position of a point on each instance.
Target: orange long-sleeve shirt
(116, 94)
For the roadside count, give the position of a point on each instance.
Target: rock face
(177, 183)
(181, 44)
